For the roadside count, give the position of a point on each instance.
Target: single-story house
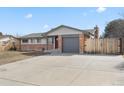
(64, 39)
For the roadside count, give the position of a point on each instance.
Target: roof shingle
(33, 35)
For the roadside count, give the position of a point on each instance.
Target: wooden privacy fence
(122, 45)
(103, 46)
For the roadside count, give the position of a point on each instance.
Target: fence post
(121, 46)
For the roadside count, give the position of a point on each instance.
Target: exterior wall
(34, 41)
(82, 39)
(50, 46)
(60, 43)
(35, 47)
(81, 42)
(64, 31)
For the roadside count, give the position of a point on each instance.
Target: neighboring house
(8, 41)
(63, 39)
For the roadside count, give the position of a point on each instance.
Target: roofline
(26, 37)
(83, 31)
(46, 33)
(30, 37)
(5, 36)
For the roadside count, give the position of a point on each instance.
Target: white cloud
(45, 26)
(101, 9)
(28, 16)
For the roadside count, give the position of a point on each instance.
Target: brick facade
(81, 43)
(60, 43)
(40, 47)
(35, 47)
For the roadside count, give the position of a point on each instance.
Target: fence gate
(103, 46)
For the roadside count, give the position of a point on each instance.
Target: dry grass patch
(13, 56)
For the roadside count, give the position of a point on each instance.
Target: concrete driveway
(64, 70)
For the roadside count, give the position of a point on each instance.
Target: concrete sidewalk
(64, 70)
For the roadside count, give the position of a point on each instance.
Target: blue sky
(23, 21)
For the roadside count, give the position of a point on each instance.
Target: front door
(56, 42)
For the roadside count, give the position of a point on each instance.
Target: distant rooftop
(4, 36)
(33, 35)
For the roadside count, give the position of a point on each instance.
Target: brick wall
(36, 47)
(60, 43)
(81, 41)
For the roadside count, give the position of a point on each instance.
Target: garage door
(71, 44)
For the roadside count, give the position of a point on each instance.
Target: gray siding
(64, 31)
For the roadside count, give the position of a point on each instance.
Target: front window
(43, 41)
(32, 40)
(38, 40)
(50, 40)
(25, 41)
